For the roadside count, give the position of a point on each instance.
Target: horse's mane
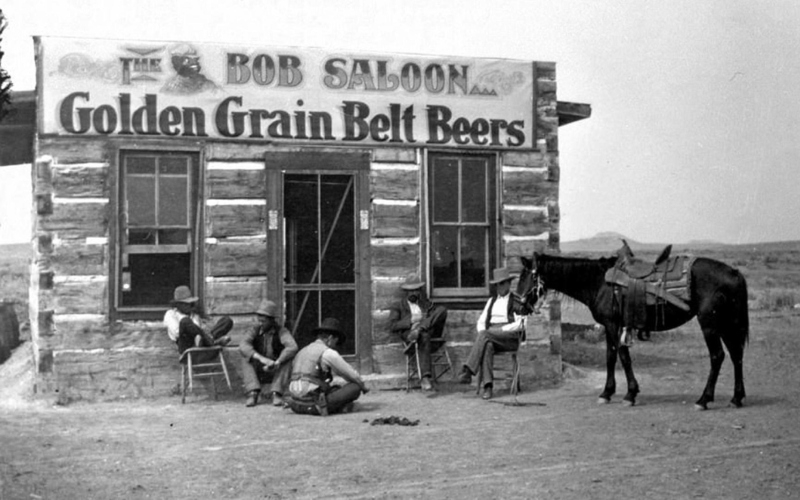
(569, 265)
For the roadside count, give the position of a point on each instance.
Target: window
(157, 220)
(462, 246)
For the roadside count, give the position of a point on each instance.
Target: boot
(252, 399)
(425, 384)
(465, 377)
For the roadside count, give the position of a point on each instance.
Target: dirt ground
(558, 444)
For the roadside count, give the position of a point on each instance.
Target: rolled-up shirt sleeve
(332, 360)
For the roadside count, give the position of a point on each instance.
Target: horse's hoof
(603, 401)
(699, 407)
(735, 404)
(626, 402)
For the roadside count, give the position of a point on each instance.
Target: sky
(694, 133)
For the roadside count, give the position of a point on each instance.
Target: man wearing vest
(416, 319)
(310, 390)
(500, 329)
(267, 352)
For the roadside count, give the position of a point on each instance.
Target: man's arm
(482, 318)
(289, 347)
(331, 359)
(173, 324)
(246, 345)
(397, 322)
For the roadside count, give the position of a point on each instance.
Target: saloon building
(319, 179)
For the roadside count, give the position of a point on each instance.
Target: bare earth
(561, 444)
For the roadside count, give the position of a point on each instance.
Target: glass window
(461, 232)
(157, 196)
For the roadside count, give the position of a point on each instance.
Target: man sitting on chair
(267, 352)
(184, 324)
(500, 329)
(416, 319)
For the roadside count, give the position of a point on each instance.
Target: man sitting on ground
(311, 392)
(416, 319)
(267, 352)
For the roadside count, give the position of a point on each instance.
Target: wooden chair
(202, 362)
(440, 359)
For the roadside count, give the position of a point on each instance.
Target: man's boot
(252, 399)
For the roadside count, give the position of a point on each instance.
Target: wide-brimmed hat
(500, 275)
(331, 325)
(268, 308)
(184, 294)
(412, 283)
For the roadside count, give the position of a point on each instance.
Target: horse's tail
(741, 317)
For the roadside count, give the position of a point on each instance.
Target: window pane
(338, 264)
(140, 198)
(173, 237)
(474, 257)
(172, 201)
(473, 191)
(141, 237)
(173, 165)
(445, 190)
(444, 245)
(141, 165)
(302, 315)
(341, 304)
(153, 278)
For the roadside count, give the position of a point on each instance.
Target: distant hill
(610, 242)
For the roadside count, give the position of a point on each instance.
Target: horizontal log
(80, 297)
(93, 333)
(394, 155)
(235, 297)
(524, 222)
(75, 258)
(328, 159)
(389, 359)
(236, 220)
(237, 258)
(227, 184)
(226, 151)
(381, 335)
(392, 184)
(528, 188)
(395, 221)
(79, 181)
(523, 159)
(78, 220)
(386, 293)
(523, 248)
(67, 150)
(394, 260)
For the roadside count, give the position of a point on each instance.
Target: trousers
(488, 342)
(431, 327)
(326, 403)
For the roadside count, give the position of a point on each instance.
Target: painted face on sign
(186, 65)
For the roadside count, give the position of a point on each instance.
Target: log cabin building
(319, 179)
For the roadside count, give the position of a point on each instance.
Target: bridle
(538, 290)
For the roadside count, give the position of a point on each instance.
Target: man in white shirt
(500, 329)
(184, 325)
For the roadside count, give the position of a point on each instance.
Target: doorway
(319, 245)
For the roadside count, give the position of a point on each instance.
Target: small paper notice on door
(365, 219)
(273, 220)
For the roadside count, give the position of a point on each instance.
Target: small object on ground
(393, 420)
(517, 403)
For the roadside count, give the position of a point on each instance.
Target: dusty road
(560, 444)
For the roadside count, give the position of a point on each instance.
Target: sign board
(92, 87)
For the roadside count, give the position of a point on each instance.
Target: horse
(717, 297)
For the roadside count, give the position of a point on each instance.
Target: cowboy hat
(412, 283)
(331, 325)
(268, 308)
(184, 294)
(500, 275)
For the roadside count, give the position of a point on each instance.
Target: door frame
(278, 160)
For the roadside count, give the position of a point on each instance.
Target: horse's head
(529, 287)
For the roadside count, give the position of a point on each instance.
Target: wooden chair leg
(225, 369)
(183, 384)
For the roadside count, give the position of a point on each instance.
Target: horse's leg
(633, 384)
(717, 356)
(612, 342)
(736, 350)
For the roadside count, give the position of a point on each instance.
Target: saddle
(646, 283)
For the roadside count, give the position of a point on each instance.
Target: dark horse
(718, 297)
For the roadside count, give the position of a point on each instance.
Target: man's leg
(340, 397)
(252, 386)
(280, 383)
(221, 329)
(475, 357)
(497, 342)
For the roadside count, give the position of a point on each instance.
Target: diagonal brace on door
(322, 254)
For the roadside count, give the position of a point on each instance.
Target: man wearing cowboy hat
(416, 319)
(184, 324)
(500, 329)
(311, 392)
(267, 352)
